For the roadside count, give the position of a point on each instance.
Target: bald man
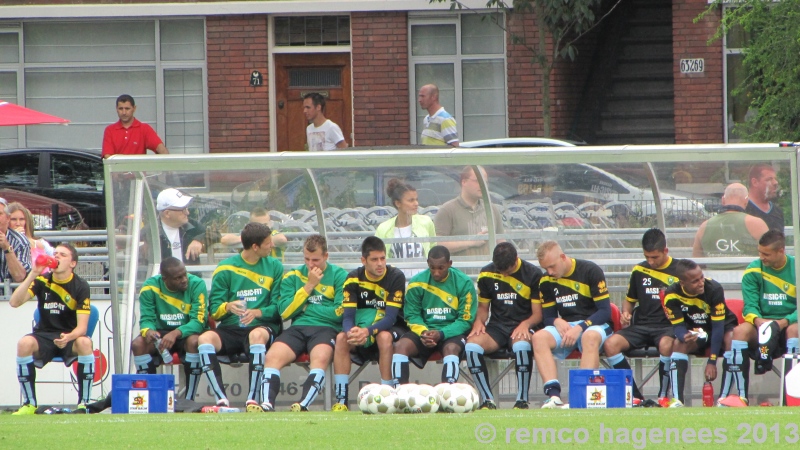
(439, 127)
(732, 232)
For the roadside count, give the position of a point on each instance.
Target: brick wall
(238, 114)
(699, 97)
(380, 78)
(525, 82)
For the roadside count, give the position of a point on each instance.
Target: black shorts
(423, 353)
(302, 339)
(501, 334)
(236, 340)
(49, 350)
(361, 354)
(641, 336)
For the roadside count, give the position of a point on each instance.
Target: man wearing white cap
(179, 236)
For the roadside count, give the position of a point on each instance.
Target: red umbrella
(11, 115)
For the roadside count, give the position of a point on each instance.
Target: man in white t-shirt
(322, 134)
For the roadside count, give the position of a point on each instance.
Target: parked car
(48, 213)
(72, 176)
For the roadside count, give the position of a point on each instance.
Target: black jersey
(697, 311)
(509, 296)
(647, 286)
(371, 297)
(576, 296)
(60, 302)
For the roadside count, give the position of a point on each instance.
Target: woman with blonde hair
(21, 221)
(407, 224)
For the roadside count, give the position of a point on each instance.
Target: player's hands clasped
(429, 338)
(571, 337)
(357, 336)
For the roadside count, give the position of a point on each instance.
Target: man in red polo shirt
(129, 136)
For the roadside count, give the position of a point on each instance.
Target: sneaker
(80, 409)
(223, 402)
(520, 405)
(339, 407)
(650, 403)
(636, 402)
(25, 410)
(663, 402)
(267, 407)
(675, 403)
(297, 407)
(553, 403)
(252, 406)
(733, 401)
(488, 404)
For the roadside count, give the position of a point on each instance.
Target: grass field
(618, 428)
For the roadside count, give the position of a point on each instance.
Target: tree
(564, 22)
(771, 66)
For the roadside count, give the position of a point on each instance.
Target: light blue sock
(473, 348)
(400, 371)
(450, 369)
(523, 356)
(193, 370)
(142, 362)
(256, 370)
(616, 359)
(26, 374)
(477, 368)
(792, 345)
(387, 382)
(738, 348)
(312, 386)
(206, 349)
(86, 377)
(341, 382)
(727, 376)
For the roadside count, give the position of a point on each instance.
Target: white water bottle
(242, 304)
(166, 355)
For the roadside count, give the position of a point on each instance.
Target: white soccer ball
(382, 400)
(424, 399)
(404, 392)
(443, 394)
(458, 399)
(363, 397)
(476, 399)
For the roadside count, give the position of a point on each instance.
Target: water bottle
(708, 394)
(219, 409)
(242, 304)
(166, 355)
(46, 261)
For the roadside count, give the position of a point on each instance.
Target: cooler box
(142, 394)
(600, 388)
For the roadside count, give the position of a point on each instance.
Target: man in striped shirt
(439, 126)
(15, 250)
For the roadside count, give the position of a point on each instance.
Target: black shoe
(488, 404)
(650, 403)
(520, 405)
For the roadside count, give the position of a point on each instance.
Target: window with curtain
(464, 56)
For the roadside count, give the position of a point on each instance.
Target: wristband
(7, 251)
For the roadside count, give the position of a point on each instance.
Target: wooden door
(298, 75)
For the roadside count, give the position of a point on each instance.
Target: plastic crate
(142, 394)
(600, 388)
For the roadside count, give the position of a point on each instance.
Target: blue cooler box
(142, 394)
(600, 388)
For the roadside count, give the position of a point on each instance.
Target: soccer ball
(458, 398)
(476, 399)
(404, 392)
(364, 395)
(424, 399)
(382, 400)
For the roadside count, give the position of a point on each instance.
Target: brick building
(218, 76)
